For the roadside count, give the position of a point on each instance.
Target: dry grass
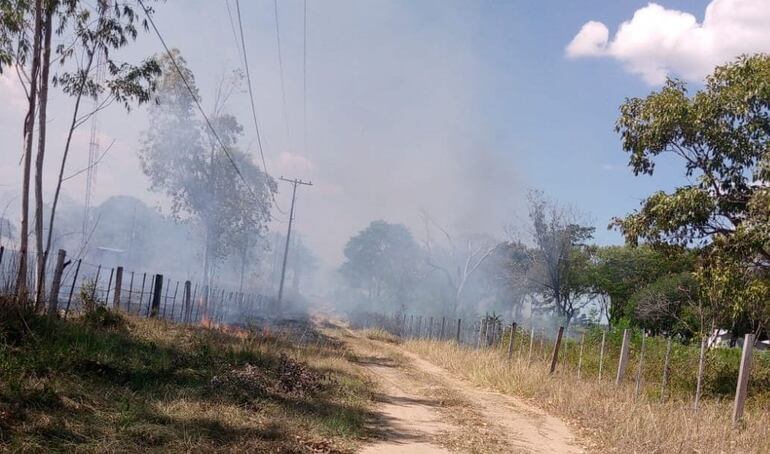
(611, 418)
(379, 334)
(151, 386)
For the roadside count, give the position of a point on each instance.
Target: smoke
(394, 124)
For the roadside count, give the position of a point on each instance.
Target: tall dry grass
(611, 418)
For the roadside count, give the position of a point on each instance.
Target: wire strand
(197, 102)
(304, 78)
(280, 70)
(248, 81)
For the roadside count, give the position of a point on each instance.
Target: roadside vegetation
(613, 418)
(105, 382)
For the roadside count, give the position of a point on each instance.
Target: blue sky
(453, 107)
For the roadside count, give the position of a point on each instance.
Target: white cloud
(291, 164)
(658, 42)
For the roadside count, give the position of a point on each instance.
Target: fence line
(567, 356)
(113, 288)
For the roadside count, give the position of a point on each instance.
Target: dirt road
(423, 409)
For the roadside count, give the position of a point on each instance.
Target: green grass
(108, 383)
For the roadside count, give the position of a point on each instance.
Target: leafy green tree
(618, 272)
(669, 304)
(721, 135)
(35, 36)
(383, 262)
(186, 160)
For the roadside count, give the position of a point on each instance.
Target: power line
(280, 69)
(195, 99)
(232, 26)
(304, 79)
(248, 80)
(251, 98)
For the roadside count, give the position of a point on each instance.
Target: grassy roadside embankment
(613, 418)
(109, 383)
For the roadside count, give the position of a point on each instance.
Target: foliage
(383, 261)
(196, 168)
(619, 272)
(721, 134)
(559, 258)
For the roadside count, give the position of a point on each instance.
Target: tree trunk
(29, 129)
(67, 144)
(42, 254)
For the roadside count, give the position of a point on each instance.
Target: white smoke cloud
(658, 42)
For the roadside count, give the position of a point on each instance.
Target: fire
(206, 322)
(235, 330)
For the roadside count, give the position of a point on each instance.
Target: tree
(618, 272)
(15, 35)
(114, 27)
(83, 37)
(207, 178)
(456, 263)
(382, 261)
(505, 275)
(721, 135)
(560, 257)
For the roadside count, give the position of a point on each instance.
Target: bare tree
(460, 262)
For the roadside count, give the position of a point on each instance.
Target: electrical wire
(248, 81)
(195, 99)
(304, 78)
(280, 70)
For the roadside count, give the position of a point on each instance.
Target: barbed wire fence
(657, 367)
(138, 292)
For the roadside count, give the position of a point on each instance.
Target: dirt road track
(423, 409)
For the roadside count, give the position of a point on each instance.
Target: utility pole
(294, 182)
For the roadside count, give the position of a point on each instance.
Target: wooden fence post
(701, 365)
(72, 289)
(443, 323)
(109, 287)
(430, 329)
(481, 331)
(601, 354)
(141, 294)
(53, 302)
(130, 292)
(580, 357)
(510, 340)
(457, 335)
(666, 362)
(623, 360)
(555, 354)
(419, 326)
(531, 342)
(641, 366)
(156, 294)
(173, 300)
(186, 304)
(118, 285)
(743, 378)
(165, 300)
(96, 282)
